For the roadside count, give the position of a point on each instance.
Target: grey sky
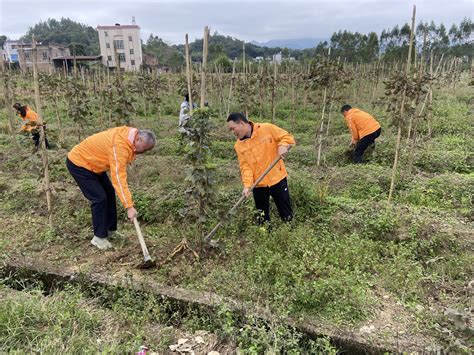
(247, 20)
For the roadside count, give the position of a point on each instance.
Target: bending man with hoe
(257, 146)
(364, 130)
(88, 162)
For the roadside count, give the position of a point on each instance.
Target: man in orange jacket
(257, 146)
(364, 130)
(111, 150)
(30, 123)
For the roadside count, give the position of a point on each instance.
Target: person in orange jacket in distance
(30, 123)
(364, 129)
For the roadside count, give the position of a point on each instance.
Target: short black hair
(17, 106)
(345, 108)
(186, 97)
(237, 117)
(20, 108)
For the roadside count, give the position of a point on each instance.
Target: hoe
(148, 261)
(213, 243)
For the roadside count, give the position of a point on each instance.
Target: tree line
(391, 44)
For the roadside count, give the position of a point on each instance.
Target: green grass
(65, 322)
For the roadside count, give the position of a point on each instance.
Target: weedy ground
(350, 262)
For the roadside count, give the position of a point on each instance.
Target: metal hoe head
(148, 263)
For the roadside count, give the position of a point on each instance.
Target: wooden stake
(293, 102)
(221, 90)
(205, 45)
(189, 77)
(321, 127)
(232, 80)
(402, 111)
(274, 90)
(44, 155)
(245, 81)
(58, 119)
(412, 117)
(260, 89)
(430, 97)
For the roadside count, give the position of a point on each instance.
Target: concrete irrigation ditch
(19, 272)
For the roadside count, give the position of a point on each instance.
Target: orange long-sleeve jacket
(30, 120)
(256, 153)
(111, 150)
(360, 123)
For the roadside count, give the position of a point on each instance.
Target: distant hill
(292, 43)
(230, 46)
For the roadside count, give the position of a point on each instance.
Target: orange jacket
(109, 150)
(256, 153)
(360, 123)
(30, 120)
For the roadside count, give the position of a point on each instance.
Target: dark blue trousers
(363, 144)
(98, 189)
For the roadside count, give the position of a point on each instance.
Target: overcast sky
(248, 20)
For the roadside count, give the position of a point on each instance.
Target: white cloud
(248, 20)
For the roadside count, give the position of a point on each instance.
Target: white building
(126, 39)
(277, 58)
(10, 51)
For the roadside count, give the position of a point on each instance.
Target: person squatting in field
(257, 146)
(364, 129)
(30, 124)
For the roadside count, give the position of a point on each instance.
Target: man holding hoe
(257, 146)
(88, 162)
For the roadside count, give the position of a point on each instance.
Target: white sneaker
(101, 243)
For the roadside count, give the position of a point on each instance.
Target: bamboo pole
(205, 45)
(44, 155)
(402, 110)
(293, 102)
(376, 81)
(221, 89)
(156, 76)
(412, 117)
(189, 76)
(275, 71)
(331, 104)
(244, 70)
(232, 80)
(243, 61)
(58, 119)
(321, 127)
(430, 97)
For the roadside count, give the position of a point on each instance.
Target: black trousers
(280, 194)
(36, 138)
(98, 189)
(363, 144)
